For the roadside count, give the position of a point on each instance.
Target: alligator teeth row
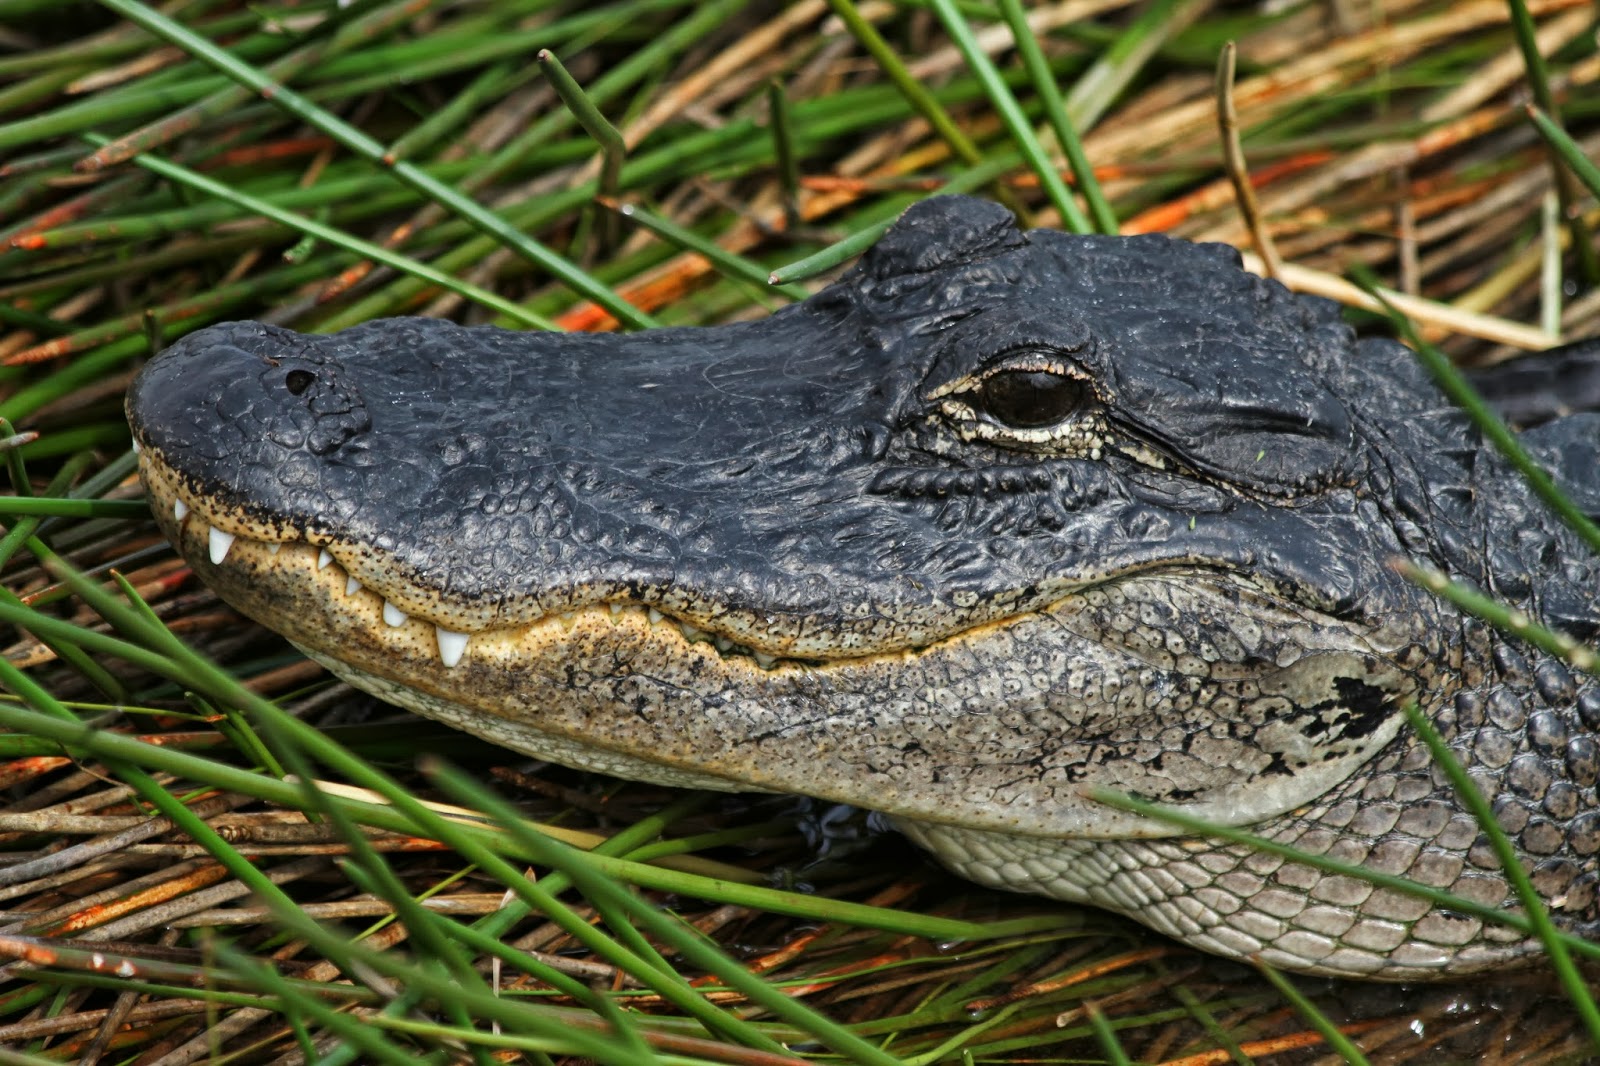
(452, 644)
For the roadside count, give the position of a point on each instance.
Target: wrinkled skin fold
(996, 519)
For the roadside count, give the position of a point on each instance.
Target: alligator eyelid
(1034, 357)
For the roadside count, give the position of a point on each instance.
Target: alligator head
(996, 519)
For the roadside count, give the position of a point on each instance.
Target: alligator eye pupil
(1028, 399)
(298, 381)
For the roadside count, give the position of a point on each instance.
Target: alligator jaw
(626, 690)
(295, 570)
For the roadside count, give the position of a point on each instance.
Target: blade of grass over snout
(670, 930)
(334, 236)
(1044, 83)
(1005, 102)
(359, 142)
(1455, 385)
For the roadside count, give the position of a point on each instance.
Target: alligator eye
(1028, 399)
(298, 381)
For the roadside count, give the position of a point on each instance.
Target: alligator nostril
(298, 381)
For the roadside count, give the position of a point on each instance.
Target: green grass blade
(1539, 82)
(687, 942)
(1517, 623)
(1441, 899)
(1319, 1021)
(729, 263)
(1538, 914)
(59, 507)
(612, 148)
(1455, 386)
(916, 94)
(357, 141)
(864, 238)
(1107, 1037)
(320, 231)
(1011, 114)
(1055, 109)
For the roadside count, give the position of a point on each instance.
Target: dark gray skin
(997, 518)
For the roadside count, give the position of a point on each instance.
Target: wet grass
(177, 890)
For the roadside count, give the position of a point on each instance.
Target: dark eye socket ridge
(1028, 399)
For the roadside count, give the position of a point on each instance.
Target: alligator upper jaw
(284, 570)
(207, 534)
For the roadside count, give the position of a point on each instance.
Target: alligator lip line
(452, 644)
(274, 539)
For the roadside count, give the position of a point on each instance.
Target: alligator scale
(996, 519)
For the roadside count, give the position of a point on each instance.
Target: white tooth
(323, 559)
(452, 645)
(690, 633)
(220, 543)
(723, 644)
(766, 662)
(137, 448)
(655, 615)
(180, 510)
(616, 608)
(272, 548)
(393, 615)
(351, 586)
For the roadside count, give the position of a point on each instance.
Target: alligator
(997, 519)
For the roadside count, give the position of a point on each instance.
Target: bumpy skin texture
(822, 553)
